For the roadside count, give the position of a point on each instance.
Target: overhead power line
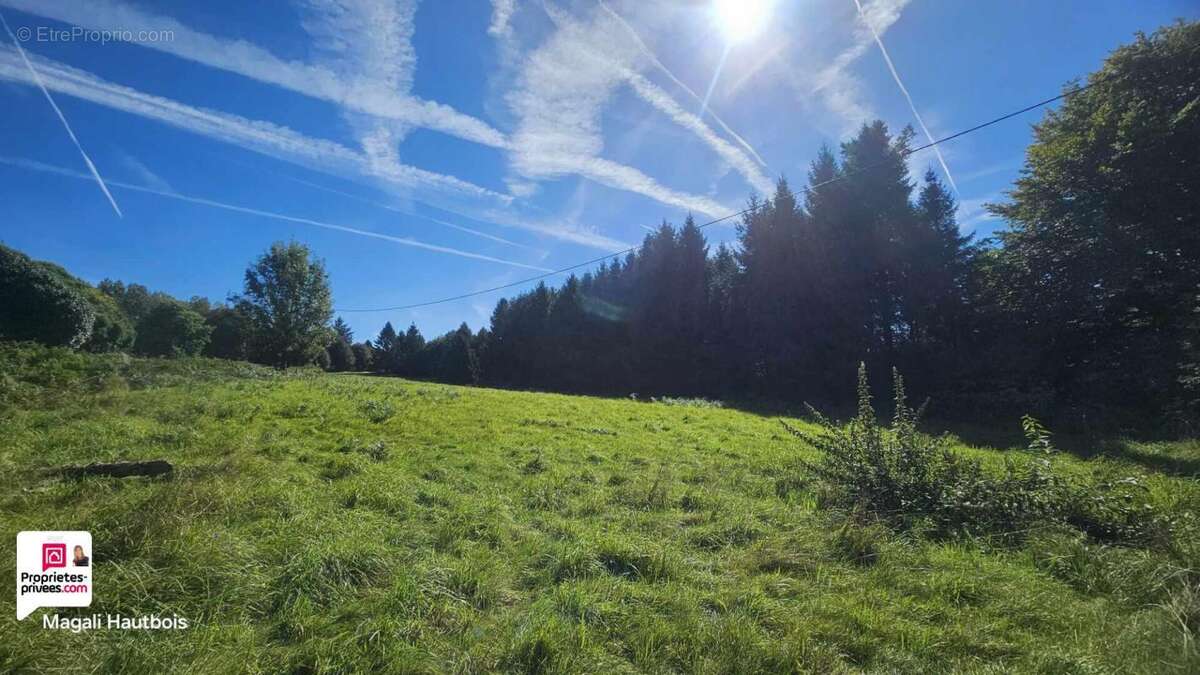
(735, 214)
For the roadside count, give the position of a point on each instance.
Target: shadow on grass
(1176, 459)
(1155, 451)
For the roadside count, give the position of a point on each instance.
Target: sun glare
(741, 20)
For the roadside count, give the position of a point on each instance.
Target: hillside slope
(337, 523)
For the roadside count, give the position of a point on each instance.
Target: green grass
(346, 523)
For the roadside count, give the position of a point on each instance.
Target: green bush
(363, 357)
(171, 329)
(112, 330)
(378, 411)
(37, 305)
(908, 478)
(341, 356)
(322, 360)
(231, 334)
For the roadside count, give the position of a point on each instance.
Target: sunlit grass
(338, 523)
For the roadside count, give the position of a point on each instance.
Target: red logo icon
(54, 555)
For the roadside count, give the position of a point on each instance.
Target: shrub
(363, 357)
(377, 451)
(341, 356)
(322, 360)
(231, 334)
(1118, 511)
(171, 329)
(378, 411)
(906, 478)
(37, 305)
(112, 330)
(894, 473)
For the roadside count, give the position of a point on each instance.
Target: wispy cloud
(362, 94)
(562, 89)
(444, 192)
(404, 241)
(259, 136)
(904, 90)
(608, 28)
(990, 170)
(371, 95)
(842, 92)
(389, 207)
(329, 81)
(972, 212)
(653, 58)
(563, 230)
(33, 74)
(502, 11)
(736, 159)
(143, 172)
(367, 41)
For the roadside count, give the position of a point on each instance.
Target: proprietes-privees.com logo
(54, 569)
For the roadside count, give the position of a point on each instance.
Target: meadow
(330, 523)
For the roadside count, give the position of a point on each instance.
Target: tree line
(281, 318)
(1084, 307)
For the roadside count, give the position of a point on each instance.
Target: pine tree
(722, 357)
(773, 332)
(939, 263)
(690, 298)
(341, 356)
(410, 348)
(385, 349)
(343, 331)
(567, 349)
(458, 363)
(363, 355)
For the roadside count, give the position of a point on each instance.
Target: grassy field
(342, 523)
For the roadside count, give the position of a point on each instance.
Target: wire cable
(735, 214)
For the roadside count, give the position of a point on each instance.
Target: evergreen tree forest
(1083, 308)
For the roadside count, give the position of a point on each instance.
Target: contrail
(38, 78)
(405, 241)
(712, 84)
(381, 205)
(667, 71)
(904, 90)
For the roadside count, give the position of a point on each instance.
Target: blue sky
(427, 149)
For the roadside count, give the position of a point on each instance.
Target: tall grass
(299, 535)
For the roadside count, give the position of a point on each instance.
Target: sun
(741, 20)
